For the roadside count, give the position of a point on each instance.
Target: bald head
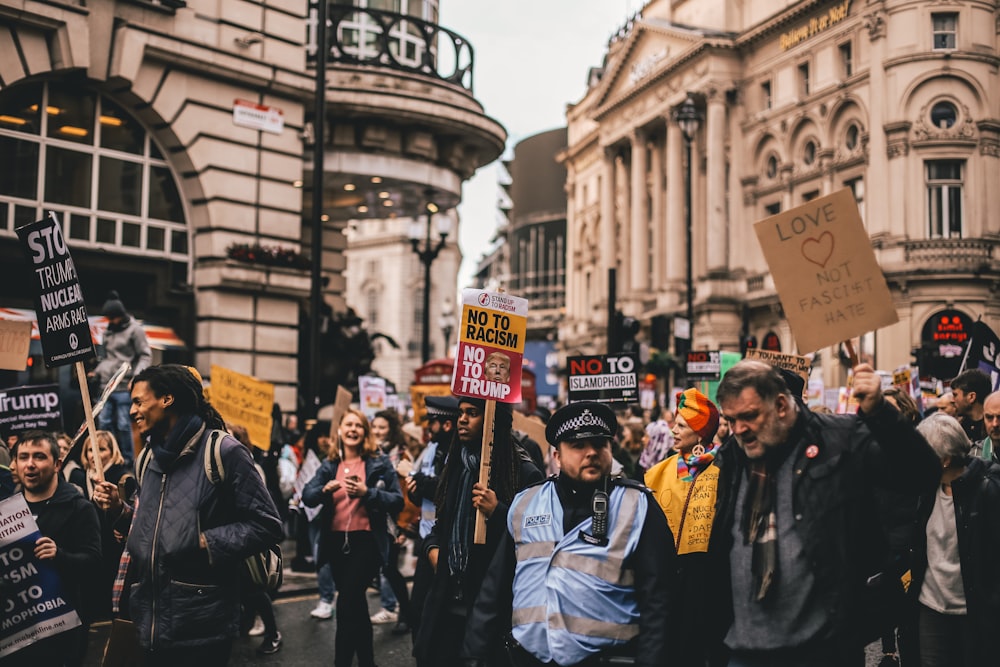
(991, 416)
(946, 404)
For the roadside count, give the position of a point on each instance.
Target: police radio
(599, 527)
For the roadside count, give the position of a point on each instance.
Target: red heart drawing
(818, 251)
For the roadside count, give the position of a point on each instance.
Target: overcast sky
(531, 59)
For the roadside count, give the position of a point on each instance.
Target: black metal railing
(364, 36)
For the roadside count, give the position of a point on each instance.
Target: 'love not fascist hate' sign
(490, 346)
(62, 316)
(829, 282)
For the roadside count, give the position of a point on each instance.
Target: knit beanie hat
(699, 413)
(113, 307)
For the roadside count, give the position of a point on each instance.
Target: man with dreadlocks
(189, 535)
(460, 565)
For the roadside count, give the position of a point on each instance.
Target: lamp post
(688, 118)
(446, 322)
(427, 254)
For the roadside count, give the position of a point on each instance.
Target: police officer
(585, 573)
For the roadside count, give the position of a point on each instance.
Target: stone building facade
(898, 101)
(163, 133)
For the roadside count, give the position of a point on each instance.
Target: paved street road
(309, 643)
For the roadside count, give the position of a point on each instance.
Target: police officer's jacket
(565, 596)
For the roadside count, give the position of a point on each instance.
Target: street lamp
(427, 254)
(688, 118)
(447, 322)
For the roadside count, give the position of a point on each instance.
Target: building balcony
(405, 127)
(950, 254)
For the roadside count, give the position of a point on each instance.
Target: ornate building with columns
(898, 101)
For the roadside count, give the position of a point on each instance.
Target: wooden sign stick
(851, 354)
(88, 411)
(485, 456)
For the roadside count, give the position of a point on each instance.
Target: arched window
(851, 137)
(772, 166)
(809, 153)
(81, 155)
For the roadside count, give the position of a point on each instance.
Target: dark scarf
(760, 521)
(167, 447)
(462, 525)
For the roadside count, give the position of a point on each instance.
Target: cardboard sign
(15, 340)
(418, 395)
(790, 362)
(825, 271)
(340, 405)
(33, 603)
(29, 408)
(244, 400)
(62, 316)
(491, 337)
(704, 365)
(603, 378)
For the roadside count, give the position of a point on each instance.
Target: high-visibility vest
(573, 597)
(428, 511)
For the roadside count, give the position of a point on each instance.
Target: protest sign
(790, 362)
(310, 464)
(603, 378)
(15, 340)
(341, 404)
(371, 391)
(62, 315)
(984, 353)
(704, 365)
(418, 395)
(244, 400)
(32, 407)
(490, 346)
(33, 603)
(826, 274)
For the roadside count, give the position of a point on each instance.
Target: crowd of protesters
(748, 531)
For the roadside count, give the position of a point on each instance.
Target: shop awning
(160, 337)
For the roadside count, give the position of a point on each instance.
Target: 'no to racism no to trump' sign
(62, 316)
(829, 282)
(490, 346)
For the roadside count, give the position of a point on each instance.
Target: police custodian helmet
(581, 421)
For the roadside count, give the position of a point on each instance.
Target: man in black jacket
(71, 540)
(459, 564)
(798, 544)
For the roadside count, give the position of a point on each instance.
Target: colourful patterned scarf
(688, 469)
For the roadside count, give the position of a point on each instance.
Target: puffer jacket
(380, 502)
(126, 342)
(182, 595)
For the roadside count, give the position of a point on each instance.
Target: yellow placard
(15, 339)
(242, 399)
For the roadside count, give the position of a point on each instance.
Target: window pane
(156, 238)
(131, 234)
(21, 110)
(20, 182)
(24, 215)
(71, 114)
(105, 231)
(67, 177)
(4, 210)
(178, 242)
(119, 130)
(955, 212)
(79, 227)
(934, 209)
(154, 151)
(120, 186)
(164, 201)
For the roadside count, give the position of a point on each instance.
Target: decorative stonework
(897, 148)
(965, 128)
(875, 24)
(989, 147)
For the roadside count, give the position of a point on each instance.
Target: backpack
(264, 569)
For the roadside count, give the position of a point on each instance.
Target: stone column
(638, 258)
(607, 220)
(717, 251)
(676, 229)
(622, 238)
(878, 216)
(658, 223)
